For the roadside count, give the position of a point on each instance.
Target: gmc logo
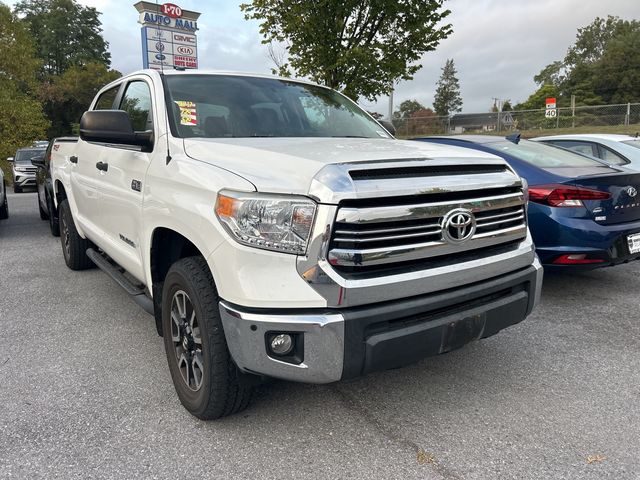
(184, 38)
(184, 50)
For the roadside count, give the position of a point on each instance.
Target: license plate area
(634, 243)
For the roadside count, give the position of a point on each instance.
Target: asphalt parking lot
(85, 390)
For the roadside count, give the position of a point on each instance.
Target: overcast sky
(498, 46)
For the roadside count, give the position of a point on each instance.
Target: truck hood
(287, 165)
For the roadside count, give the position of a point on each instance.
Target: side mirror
(388, 126)
(10, 159)
(37, 161)
(112, 126)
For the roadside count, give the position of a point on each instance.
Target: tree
(69, 95)
(602, 66)
(22, 120)
(537, 100)
(407, 109)
(447, 99)
(361, 47)
(65, 32)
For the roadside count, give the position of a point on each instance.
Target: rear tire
(54, 222)
(205, 377)
(43, 213)
(74, 247)
(4, 208)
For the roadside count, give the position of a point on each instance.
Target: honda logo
(458, 226)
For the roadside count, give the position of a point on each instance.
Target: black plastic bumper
(397, 333)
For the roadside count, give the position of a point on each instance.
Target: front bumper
(348, 342)
(24, 179)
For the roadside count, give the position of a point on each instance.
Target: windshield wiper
(349, 136)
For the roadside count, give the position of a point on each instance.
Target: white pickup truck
(275, 229)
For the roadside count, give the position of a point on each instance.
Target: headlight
(20, 169)
(274, 222)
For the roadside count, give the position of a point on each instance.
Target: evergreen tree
(447, 99)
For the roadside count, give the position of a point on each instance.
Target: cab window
(136, 101)
(106, 99)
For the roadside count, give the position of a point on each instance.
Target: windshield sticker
(188, 115)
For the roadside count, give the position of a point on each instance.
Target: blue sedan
(582, 212)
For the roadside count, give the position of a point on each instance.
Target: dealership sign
(168, 36)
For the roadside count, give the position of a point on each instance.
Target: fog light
(281, 344)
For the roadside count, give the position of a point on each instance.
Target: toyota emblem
(632, 192)
(458, 226)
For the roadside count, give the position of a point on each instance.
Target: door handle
(73, 159)
(102, 166)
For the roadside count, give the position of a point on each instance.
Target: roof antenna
(162, 57)
(514, 137)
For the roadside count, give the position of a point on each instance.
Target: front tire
(74, 247)
(206, 380)
(17, 189)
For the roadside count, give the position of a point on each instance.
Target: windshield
(544, 156)
(217, 106)
(25, 156)
(633, 143)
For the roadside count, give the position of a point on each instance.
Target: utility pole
(573, 111)
(498, 102)
(391, 105)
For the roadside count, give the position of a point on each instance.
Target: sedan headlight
(280, 223)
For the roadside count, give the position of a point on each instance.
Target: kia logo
(184, 50)
(458, 226)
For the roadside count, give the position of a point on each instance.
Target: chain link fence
(626, 114)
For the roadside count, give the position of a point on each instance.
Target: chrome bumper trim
(323, 344)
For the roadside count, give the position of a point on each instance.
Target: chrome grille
(372, 235)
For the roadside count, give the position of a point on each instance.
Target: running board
(138, 294)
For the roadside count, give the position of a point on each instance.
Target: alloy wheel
(187, 341)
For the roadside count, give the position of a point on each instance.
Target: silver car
(24, 172)
(613, 149)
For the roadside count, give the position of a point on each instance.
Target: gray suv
(24, 172)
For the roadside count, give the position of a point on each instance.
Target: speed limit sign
(550, 113)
